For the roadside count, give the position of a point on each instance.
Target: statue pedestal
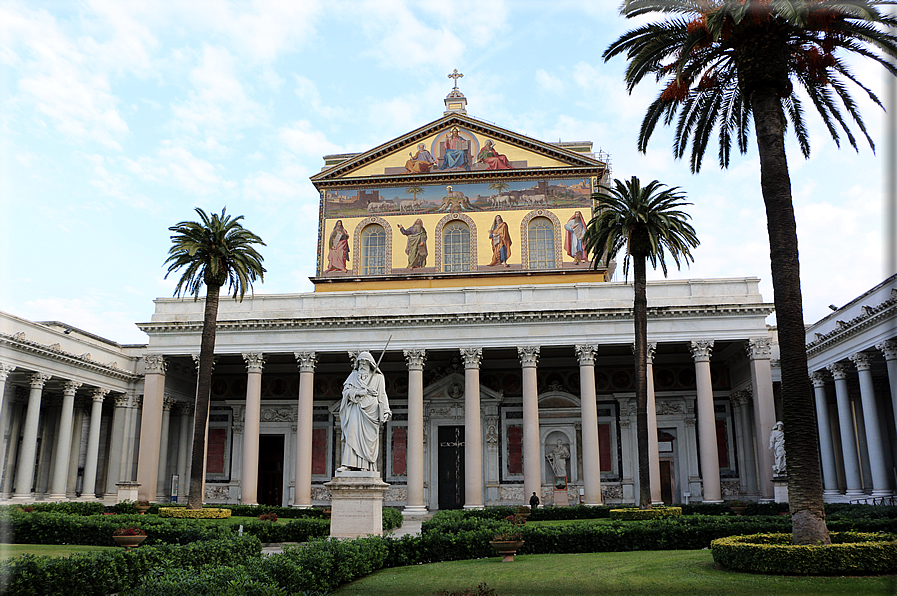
(357, 504)
(780, 489)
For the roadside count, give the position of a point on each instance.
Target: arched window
(455, 247)
(540, 234)
(373, 250)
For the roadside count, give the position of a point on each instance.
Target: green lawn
(654, 573)
(8, 551)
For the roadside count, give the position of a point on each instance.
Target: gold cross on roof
(455, 75)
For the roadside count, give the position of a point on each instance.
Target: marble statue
(558, 458)
(363, 409)
(777, 444)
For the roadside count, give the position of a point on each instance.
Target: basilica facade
(453, 254)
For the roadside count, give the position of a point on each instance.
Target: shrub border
(635, 514)
(184, 513)
(851, 553)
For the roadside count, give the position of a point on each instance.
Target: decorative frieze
(278, 415)
(669, 408)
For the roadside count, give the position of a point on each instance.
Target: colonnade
(860, 427)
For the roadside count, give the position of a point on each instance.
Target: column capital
(168, 402)
(122, 400)
(529, 355)
(306, 360)
(861, 360)
(98, 395)
(888, 348)
(70, 387)
(186, 408)
(741, 397)
(818, 378)
(38, 380)
(415, 358)
(5, 369)
(255, 361)
(586, 354)
(472, 357)
(155, 364)
(196, 361)
(838, 370)
(758, 348)
(700, 350)
(651, 347)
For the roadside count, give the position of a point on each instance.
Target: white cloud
(307, 90)
(175, 165)
(549, 82)
(301, 138)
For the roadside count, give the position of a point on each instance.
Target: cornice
(463, 318)
(870, 317)
(79, 360)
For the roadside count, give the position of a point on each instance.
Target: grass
(8, 551)
(652, 573)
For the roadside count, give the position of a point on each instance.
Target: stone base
(357, 504)
(780, 489)
(412, 510)
(127, 491)
(561, 499)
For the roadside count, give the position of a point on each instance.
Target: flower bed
(633, 514)
(851, 553)
(183, 513)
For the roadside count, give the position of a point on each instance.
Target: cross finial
(455, 75)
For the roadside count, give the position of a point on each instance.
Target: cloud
(307, 90)
(175, 165)
(301, 138)
(549, 82)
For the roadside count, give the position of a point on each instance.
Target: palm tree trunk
(798, 408)
(640, 318)
(203, 396)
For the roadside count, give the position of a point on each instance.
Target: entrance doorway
(451, 467)
(666, 481)
(270, 487)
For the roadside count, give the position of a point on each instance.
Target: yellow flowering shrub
(634, 514)
(184, 513)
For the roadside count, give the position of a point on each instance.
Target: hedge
(636, 514)
(108, 572)
(851, 553)
(204, 513)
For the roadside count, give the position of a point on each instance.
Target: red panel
(604, 452)
(319, 451)
(399, 450)
(215, 453)
(722, 444)
(515, 450)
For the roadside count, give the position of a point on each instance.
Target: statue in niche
(777, 444)
(363, 409)
(558, 458)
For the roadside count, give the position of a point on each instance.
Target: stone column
(63, 442)
(532, 456)
(5, 369)
(119, 423)
(653, 447)
(741, 401)
(71, 487)
(591, 456)
(150, 426)
(164, 439)
(473, 431)
(185, 447)
(700, 351)
(874, 438)
(15, 429)
(249, 483)
(824, 426)
(88, 492)
(28, 452)
(131, 439)
(759, 352)
(848, 437)
(414, 452)
(304, 428)
(889, 349)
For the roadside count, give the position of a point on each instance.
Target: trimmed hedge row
(636, 514)
(108, 572)
(204, 513)
(851, 553)
(67, 507)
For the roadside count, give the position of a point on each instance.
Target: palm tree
(499, 187)
(724, 63)
(414, 191)
(648, 222)
(215, 251)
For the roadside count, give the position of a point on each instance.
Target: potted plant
(523, 511)
(128, 537)
(738, 507)
(506, 544)
(142, 506)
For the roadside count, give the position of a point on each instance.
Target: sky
(118, 118)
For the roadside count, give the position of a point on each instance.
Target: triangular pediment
(458, 145)
(451, 386)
